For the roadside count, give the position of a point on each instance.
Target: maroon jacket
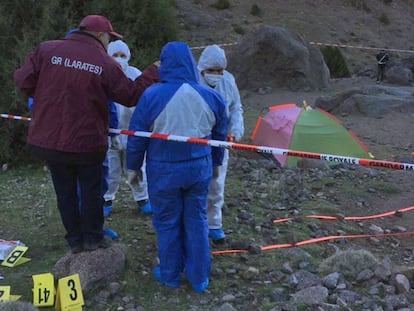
(70, 81)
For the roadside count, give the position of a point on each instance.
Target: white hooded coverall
(116, 158)
(212, 57)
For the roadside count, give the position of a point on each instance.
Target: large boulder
(399, 75)
(95, 268)
(371, 101)
(275, 57)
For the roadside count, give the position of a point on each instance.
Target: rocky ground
(365, 273)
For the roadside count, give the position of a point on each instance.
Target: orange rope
(327, 217)
(311, 241)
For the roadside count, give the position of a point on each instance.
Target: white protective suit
(212, 57)
(116, 157)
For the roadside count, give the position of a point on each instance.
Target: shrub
(335, 62)
(146, 25)
(384, 19)
(221, 4)
(239, 30)
(255, 10)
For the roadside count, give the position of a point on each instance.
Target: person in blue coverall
(178, 173)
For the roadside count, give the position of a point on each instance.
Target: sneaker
(111, 233)
(156, 272)
(91, 246)
(201, 287)
(217, 235)
(107, 208)
(145, 207)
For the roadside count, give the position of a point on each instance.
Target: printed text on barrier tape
(266, 149)
(260, 149)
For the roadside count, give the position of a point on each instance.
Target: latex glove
(215, 171)
(134, 177)
(115, 143)
(236, 136)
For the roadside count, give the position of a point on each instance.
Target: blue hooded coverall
(179, 173)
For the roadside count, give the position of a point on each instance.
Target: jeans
(83, 224)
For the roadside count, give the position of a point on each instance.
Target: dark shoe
(91, 246)
(77, 248)
(145, 207)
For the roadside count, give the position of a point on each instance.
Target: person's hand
(230, 138)
(237, 136)
(115, 143)
(215, 171)
(133, 177)
(157, 63)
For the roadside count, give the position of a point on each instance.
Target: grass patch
(322, 206)
(382, 186)
(355, 192)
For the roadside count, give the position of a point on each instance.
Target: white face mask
(213, 79)
(123, 62)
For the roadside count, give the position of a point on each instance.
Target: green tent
(288, 126)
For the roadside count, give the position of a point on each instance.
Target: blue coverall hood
(177, 63)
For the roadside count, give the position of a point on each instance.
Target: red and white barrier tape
(359, 47)
(322, 44)
(220, 44)
(272, 150)
(260, 149)
(13, 117)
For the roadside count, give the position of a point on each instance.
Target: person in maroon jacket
(70, 81)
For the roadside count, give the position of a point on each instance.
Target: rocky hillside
(366, 23)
